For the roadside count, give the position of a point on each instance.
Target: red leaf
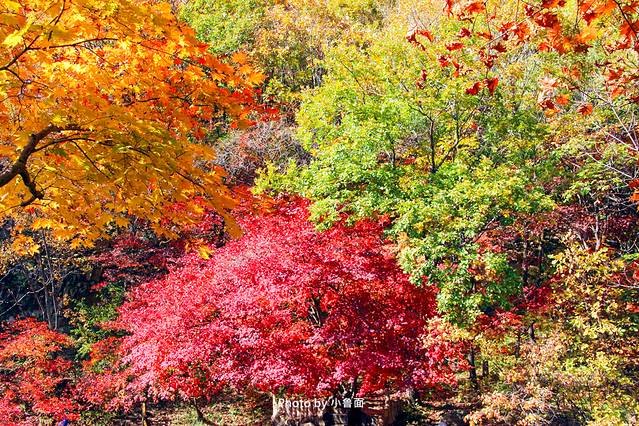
(488, 60)
(449, 7)
(475, 88)
(475, 7)
(454, 46)
(444, 60)
(491, 84)
(426, 34)
(457, 69)
(548, 104)
(548, 20)
(464, 32)
(628, 30)
(589, 16)
(522, 31)
(550, 4)
(411, 37)
(499, 47)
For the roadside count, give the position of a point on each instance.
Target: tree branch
(19, 167)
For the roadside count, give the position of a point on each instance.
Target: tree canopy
(101, 108)
(215, 205)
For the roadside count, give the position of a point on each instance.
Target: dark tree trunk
(531, 332)
(200, 415)
(472, 372)
(484, 369)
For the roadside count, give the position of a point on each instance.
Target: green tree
(445, 162)
(228, 26)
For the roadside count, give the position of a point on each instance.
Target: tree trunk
(484, 369)
(200, 415)
(472, 372)
(531, 333)
(145, 421)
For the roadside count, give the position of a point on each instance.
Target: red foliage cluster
(135, 257)
(105, 378)
(34, 378)
(287, 308)
(541, 26)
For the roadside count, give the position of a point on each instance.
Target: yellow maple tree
(100, 102)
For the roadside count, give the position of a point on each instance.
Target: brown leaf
(585, 109)
(454, 46)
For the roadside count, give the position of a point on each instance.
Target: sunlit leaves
(287, 308)
(99, 108)
(445, 158)
(558, 26)
(34, 378)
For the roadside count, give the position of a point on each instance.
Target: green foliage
(97, 418)
(443, 165)
(296, 35)
(605, 151)
(228, 26)
(89, 315)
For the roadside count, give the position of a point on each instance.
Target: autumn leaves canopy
(101, 105)
(111, 96)
(448, 187)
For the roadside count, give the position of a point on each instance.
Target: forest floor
(250, 413)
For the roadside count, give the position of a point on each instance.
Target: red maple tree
(35, 380)
(288, 308)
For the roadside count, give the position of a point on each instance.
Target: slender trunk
(524, 265)
(473, 368)
(51, 278)
(354, 387)
(145, 421)
(484, 369)
(531, 333)
(200, 414)
(433, 166)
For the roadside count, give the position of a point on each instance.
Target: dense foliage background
(209, 203)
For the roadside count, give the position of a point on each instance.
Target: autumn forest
(319, 212)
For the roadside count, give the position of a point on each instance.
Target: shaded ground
(257, 413)
(433, 414)
(231, 412)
